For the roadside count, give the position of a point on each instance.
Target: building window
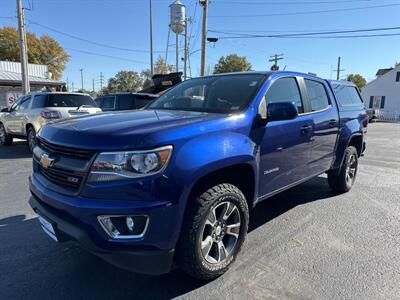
(398, 76)
(377, 102)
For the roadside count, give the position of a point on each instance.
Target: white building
(11, 81)
(383, 93)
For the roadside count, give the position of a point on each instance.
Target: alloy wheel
(2, 134)
(221, 232)
(351, 169)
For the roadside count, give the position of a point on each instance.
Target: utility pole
(274, 58)
(72, 86)
(101, 82)
(93, 86)
(338, 70)
(177, 52)
(23, 48)
(151, 39)
(81, 78)
(204, 3)
(67, 84)
(186, 50)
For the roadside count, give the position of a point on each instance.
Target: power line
(291, 3)
(306, 12)
(89, 41)
(313, 33)
(107, 56)
(304, 35)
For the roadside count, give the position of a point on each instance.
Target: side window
(316, 95)
(107, 103)
(355, 95)
(342, 94)
(17, 105)
(39, 101)
(285, 90)
(25, 103)
(125, 102)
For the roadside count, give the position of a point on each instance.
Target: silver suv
(31, 112)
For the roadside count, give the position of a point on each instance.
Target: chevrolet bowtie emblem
(46, 161)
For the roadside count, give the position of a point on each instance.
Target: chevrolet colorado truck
(172, 185)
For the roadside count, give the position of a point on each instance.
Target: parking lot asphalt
(306, 243)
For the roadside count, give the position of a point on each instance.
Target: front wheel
(344, 180)
(5, 139)
(214, 229)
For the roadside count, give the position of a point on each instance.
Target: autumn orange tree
(41, 50)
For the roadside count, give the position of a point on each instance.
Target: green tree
(232, 63)
(124, 81)
(43, 50)
(357, 79)
(160, 67)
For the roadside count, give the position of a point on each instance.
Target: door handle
(305, 128)
(332, 123)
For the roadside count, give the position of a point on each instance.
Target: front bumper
(146, 261)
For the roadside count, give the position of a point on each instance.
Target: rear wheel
(31, 135)
(213, 231)
(5, 139)
(344, 180)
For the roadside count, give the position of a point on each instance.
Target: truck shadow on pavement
(35, 267)
(19, 149)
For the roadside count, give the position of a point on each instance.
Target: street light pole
(203, 37)
(23, 48)
(186, 50)
(151, 39)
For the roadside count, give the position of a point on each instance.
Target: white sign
(11, 97)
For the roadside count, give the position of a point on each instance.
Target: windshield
(69, 100)
(219, 94)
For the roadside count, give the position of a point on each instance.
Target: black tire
(5, 139)
(30, 138)
(212, 203)
(344, 180)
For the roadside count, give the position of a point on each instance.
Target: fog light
(129, 223)
(124, 227)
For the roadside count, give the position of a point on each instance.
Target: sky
(125, 24)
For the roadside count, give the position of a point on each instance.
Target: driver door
(285, 147)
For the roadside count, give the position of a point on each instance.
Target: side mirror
(5, 109)
(275, 112)
(281, 111)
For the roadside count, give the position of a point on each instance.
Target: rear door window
(285, 90)
(106, 102)
(126, 102)
(347, 95)
(39, 101)
(317, 96)
(69, 100)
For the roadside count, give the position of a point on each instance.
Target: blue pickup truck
(172, 184)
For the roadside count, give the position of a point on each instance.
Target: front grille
(71, 152)
(62, 177)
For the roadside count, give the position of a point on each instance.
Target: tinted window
(39, 101)
(142, 102)
(219, 94)
(285, 90)
(69, 100)
(316, 95)
(106, 102)
(126, 102)
(346, 95)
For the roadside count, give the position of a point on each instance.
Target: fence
(388, 116)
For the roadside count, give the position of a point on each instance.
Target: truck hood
(125, 130)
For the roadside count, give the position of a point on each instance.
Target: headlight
(110, 166)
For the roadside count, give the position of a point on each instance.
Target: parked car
(24, 119)
(174, 183)
(124, 101)
(372, 114)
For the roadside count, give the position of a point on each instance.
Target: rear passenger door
(285, 146)
(323, 110)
